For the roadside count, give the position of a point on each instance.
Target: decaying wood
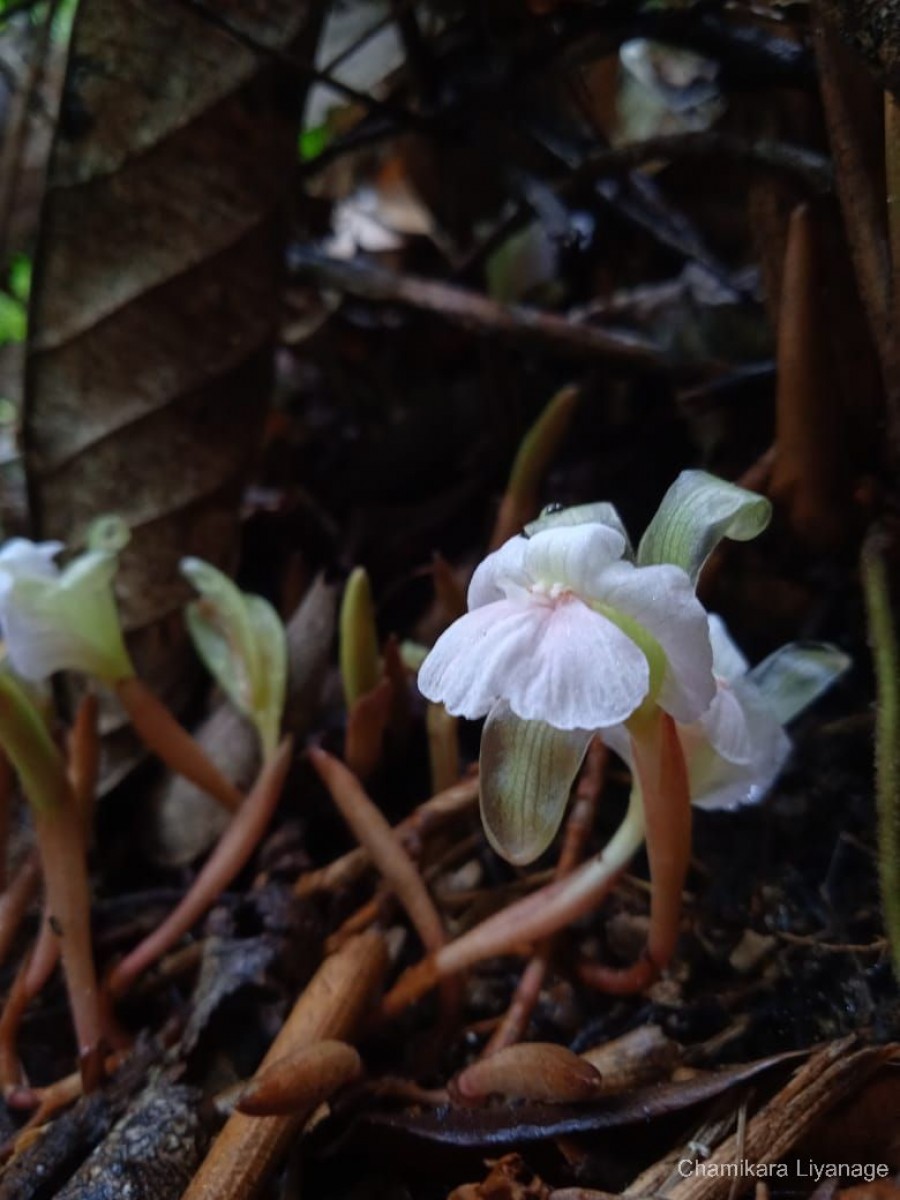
(830, 1075)
(332, 1006)
(150, 1154)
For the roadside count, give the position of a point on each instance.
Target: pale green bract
(696, 512)
(242, 642)
(796, 675)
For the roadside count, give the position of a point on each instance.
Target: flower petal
(696, 512)
(69, 622)
(21, 558)
(527, 772)
(574, 557)
(583, 673)
(717, 783)
(558, 662)
(662, 600)
(795, 676)
(570, 557)
(728, 661)
(501, 574)
(600, 513)
(724, 727)
(35, 645)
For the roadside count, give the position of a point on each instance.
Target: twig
(332, 1006)
(811, 169)
(475, 311)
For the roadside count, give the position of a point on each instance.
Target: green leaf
(527, 772)
(27, 743)
(358, 637)
(13, 320)
(696, 512)
(312, 142)
(796, 675)
(270, 685)
(242, 642)
(20, 277)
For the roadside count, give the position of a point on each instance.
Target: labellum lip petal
(527, 772)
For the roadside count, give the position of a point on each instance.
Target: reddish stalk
(367, 720)
(83, 746)
(161, 733)
(578, 829)
(538, 916)
(233, 850)
(29, 981)
(61, 841)
(6, 795)
(428, 816)
(370, 827)
(15, 900)
(662, 774)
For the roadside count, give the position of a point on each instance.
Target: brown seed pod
(301, 1081)
(531, 1071)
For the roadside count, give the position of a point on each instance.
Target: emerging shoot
(242, 642)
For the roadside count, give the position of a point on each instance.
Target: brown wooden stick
(249, 1148)
(476, 311)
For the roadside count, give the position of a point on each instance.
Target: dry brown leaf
(157, 299)
(508, 1179)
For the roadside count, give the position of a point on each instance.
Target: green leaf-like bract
(696, 512)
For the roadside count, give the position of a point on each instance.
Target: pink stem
(60, 838)
(232, 852)
(661, 770)
(161, 733)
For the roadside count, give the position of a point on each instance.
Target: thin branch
(813, 170)
(476, 311)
